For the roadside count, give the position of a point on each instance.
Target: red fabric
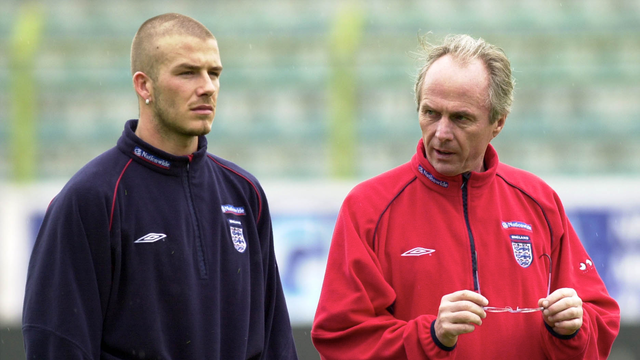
(377, 304)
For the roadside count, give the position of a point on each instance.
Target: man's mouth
(443, 152)
(202, 109)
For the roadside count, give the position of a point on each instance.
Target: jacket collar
(452, 184)
(154, 158)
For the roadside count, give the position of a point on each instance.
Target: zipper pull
(189, 163)
(465, 179)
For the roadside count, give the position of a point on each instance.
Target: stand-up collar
(154, 158)
(452, 184)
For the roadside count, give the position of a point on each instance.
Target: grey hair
(464, 48)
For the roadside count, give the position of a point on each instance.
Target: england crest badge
(522, 249)
(236, 235)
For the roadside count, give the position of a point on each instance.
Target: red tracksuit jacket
(411, 235)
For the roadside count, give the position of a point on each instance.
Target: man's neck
(171, 143)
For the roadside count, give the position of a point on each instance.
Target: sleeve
(353, 320)
(279, 343)
(62, 314)
(573, 268)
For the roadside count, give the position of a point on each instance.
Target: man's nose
(208, 85)
(444, 130)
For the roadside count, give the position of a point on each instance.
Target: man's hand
(458, 313)
(562, 311)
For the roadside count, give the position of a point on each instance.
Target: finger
(568, 327)
(465, 317)
(474, 319)
(566, 315)
(462, 308)
(563, 305)
(543, 302)
(448, 332)
(467, 295)
(461, 317)
(457, 329)
(558, 295)
(464, 300)
(450, 325)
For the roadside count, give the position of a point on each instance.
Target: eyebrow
(464, 113)
(187, 66)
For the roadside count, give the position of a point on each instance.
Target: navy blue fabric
(93, 292)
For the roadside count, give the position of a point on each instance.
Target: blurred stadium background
(316, 96)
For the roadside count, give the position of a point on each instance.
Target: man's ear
(143, 85)
(499, 125)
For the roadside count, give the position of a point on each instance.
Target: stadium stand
(576, 63)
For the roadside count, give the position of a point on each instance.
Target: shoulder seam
(546, 218)
(255, 188)
(115, 193)
(375, 231)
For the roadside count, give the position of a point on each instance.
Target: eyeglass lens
(519, 310)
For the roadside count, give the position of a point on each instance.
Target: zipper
(202, 266)
(474, 254)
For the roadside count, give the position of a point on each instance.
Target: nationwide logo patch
(418, 251)
(150, 238)
(235, 210)
(433, 179)
(237, 236)
(151, 158)
(522, 249)
(517, 225)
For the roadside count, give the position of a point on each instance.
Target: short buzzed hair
(144, 56)
(464, 48)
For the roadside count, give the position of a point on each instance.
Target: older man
(454, 254)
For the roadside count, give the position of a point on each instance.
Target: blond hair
(145, 56)
(464, 48)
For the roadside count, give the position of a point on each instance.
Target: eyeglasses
(519, 310)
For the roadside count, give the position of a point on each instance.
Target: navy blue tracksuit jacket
(146, 255)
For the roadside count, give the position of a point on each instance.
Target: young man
(157, 249)
(458, 255)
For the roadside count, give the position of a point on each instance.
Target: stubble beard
(170, 125)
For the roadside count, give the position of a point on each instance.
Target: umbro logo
(150, 237)
(419, 251)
